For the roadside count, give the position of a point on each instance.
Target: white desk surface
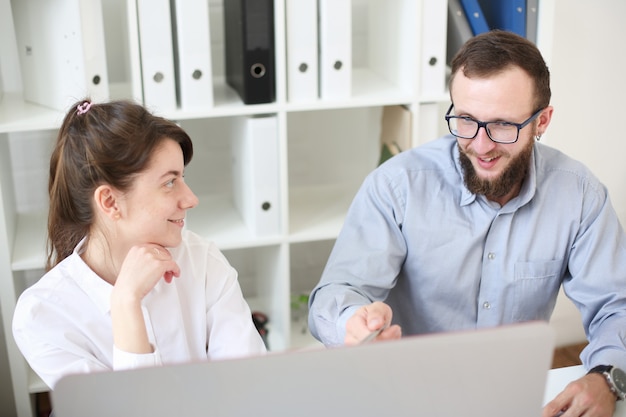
(560, 377)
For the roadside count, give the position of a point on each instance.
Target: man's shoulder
(552, 159)
(556, 169)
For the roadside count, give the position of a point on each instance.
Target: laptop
(482, 373)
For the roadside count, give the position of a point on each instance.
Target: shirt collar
(94, 286)
(98, 290)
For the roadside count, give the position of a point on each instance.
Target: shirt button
(486, 305)
(491, 256)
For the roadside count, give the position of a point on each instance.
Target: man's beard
(495, 188)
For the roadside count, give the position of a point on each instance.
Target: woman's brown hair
(107, 143)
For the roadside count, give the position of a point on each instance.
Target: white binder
(302, 62)
(459, 29)
(134, 55)
(532, 22)
(157, 54)
(335, 49)
(61, 50)
(430, 124)
(192, 51)
(433, 39)
(256, 174)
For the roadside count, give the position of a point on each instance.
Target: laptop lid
(483, 373)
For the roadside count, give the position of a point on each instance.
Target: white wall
(588, 87)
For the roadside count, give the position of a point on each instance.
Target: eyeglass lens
(466, 127)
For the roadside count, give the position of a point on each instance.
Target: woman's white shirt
(62, 323)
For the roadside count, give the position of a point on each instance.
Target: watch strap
(600, 369)
(605, 370)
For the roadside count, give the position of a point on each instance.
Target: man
(482, 228)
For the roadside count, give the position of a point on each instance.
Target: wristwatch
(615, 377)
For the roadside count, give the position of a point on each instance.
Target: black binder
(249, 51)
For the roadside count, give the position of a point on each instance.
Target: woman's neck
(98, 255)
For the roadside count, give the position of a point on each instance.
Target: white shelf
(303, 341)
(325, 150)
(217, 219)
(29, 250)
(318, 212)
(16, 115)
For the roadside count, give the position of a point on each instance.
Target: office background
(588, 87)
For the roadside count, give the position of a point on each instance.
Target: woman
(126, 286)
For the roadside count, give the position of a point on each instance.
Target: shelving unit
(326, 148)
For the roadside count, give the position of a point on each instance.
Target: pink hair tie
(82, 108)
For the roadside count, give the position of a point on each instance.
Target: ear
(106, 202)
(544, 120)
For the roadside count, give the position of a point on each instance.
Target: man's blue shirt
(445, 259)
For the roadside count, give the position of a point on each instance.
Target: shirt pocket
(535, 288)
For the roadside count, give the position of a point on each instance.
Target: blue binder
(475, 16)
(505, 14)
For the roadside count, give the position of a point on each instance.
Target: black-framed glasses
(465, 127)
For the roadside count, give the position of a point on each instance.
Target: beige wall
(588, 89)
(588, 86)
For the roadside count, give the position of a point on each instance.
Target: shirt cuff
(126, 360)
(341, 322)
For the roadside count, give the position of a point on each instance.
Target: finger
(550, 411)
(391, 333)
(378, 314)
(173, 269)
(356, 326)
(557, 405)
(160, 252)
(350, 340)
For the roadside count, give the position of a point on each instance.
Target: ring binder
(157, 54)
(249, 52)
(61, 50)
(506, 14)
(192, 54)
(302, 45)
(256, 174)
(335, 49)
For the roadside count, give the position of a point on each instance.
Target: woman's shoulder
(54, 293)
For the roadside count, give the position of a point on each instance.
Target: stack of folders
(256, 173)
(173, 69)
(61, 51)
(467, 18)
(319, 49)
